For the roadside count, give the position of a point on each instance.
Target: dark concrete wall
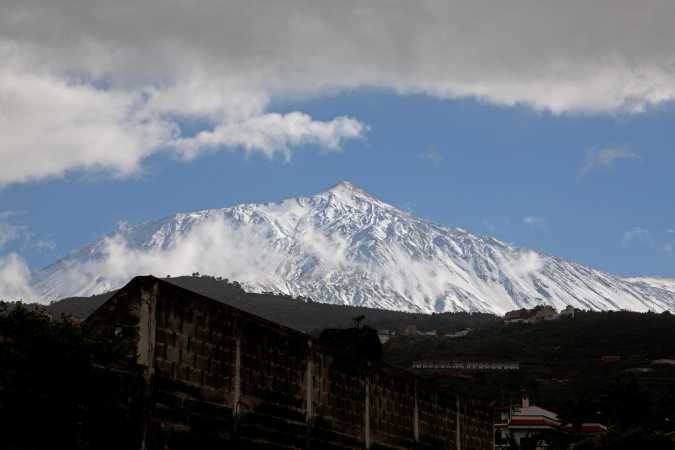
(218, 377)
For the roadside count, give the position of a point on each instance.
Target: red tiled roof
(516, 421)
(540, 417)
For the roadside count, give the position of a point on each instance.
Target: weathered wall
(218, 377)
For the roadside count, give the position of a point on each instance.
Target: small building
(529, 425)
(467, 365)
(535, 315)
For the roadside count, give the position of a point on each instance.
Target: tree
(52, 392)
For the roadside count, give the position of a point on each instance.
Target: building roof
(534, 411)
(526, 416)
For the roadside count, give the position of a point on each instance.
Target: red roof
(519, 422)
(537, 417)
(587, 428)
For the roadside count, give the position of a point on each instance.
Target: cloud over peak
(274, 133)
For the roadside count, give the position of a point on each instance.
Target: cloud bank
(101, 85)
(241, 252)
(52, 124)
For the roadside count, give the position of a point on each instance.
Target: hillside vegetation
(600, 366)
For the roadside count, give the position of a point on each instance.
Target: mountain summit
(347, 247)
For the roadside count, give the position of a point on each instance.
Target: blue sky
(513, 173)
(545, 124)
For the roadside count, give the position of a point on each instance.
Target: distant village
(537, 314)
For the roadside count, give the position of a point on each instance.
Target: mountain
(344, 246)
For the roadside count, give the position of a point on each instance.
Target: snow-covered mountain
(344, 246)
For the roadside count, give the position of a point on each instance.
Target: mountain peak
(346, 189)
(345, 186)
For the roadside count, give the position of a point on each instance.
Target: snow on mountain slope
(344, 246)
(667, 284)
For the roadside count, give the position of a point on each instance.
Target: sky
(544, 124)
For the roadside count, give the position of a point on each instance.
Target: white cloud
(50, 126)
(598, 158)
(636, 234)
(434, 155)
(535, 221)
(53, 125)
(101, 85)
(44, 244)
(9, 232)
(240, 252)
(13, 230)
(526, 262)
(15, 279)
(274, 133)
